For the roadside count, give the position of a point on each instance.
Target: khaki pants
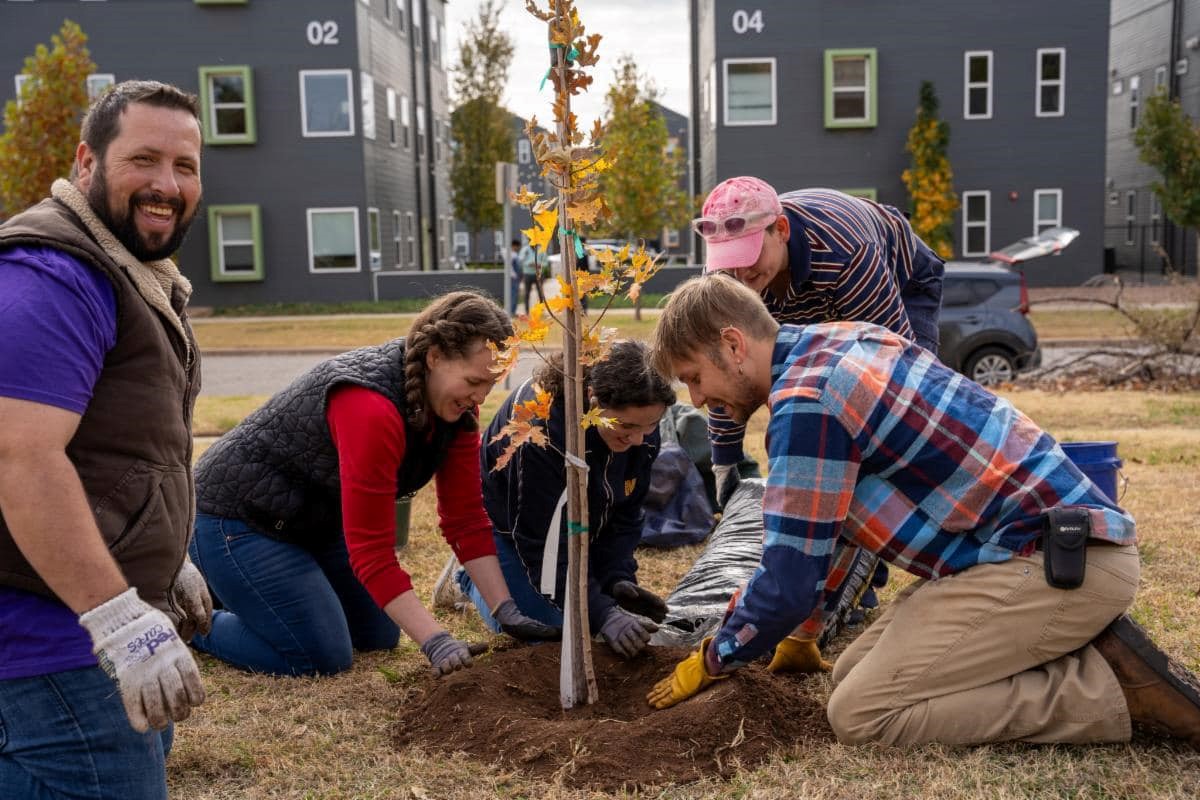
(988, 655)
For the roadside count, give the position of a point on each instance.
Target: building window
(405, 122)
(333, 240)
(396, 239)
(977, 84)
(374, 239)
(749, 91)
(387, 10)
(437, 140)
(443, 239)
(98, 83)
(325, 102)
(401, 16)
(418, 23)
(868, 194)
(435, 42)
(227, 105)
(1134, 85)
(710, 96)
(1155, 218)
(1047, 209)
(977, 223)
(410, 239)
(19, 82)
(1130, 215)
(367, 90)
(420, 131)
(524, 151)
(1160, 78)
(390, 100)
(235, 243)
(1051, 82)
(850, 88)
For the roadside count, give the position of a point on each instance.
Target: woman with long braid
(295, 524)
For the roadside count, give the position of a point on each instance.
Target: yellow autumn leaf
(542, 231)
(524, 197)
(587, 213)
(592, 417)
(558, 304)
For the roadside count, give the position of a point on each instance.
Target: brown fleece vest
(133, 447)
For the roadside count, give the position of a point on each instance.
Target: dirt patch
(506, 709)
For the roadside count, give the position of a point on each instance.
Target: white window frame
(1130, 215)
(986, 224)
(397, 247)
(968, 85)
(711, 94)
(725, 64)
(19, 80)
(374, 230)
(524, 151)
(387, 10)
(367, 92)
(443, 240)
(393, 125)
(1135, 102)
(1160, 77)
(435, 43)
(422, 134)
(406, 122)
(99, 76)
(308, 218)
(1040, 224)
(1060, 82)
(418, 24)
(410, 238)
(345, 73)
(401, 17)
(1155, 218)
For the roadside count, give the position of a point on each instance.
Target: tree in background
(41, 127)
(929, 180)
(1169, 141)
(644, 194)
(479, 124)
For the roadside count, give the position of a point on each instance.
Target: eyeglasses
(734, 225)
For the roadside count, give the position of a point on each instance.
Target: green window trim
(872, 88)
(211, 137)
(216, 251)
(867, 193)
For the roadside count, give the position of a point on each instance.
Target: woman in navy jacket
(526, 500)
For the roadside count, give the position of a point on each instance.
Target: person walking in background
(99, 373)
(296, 525)
(1016, 629)
(533, 263)
(526, 499)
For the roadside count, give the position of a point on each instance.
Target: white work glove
(139, 649)
(191, 601)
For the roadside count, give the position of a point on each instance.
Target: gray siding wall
(1013, 152)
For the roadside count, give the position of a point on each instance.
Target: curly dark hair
(621, 380)
(454, 323)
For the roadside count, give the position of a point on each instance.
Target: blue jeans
(529, 600)
(287, 609)
(66, 735)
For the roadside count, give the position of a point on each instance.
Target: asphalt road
(267, 373)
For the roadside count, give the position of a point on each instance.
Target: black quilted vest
(278, 469)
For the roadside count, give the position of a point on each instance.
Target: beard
(122, 225)
(744, 399)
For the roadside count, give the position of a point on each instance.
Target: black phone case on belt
(1064, 542)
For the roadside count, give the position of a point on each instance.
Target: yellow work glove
(689, 677)
(798, 655)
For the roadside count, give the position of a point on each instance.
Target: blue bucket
(1097, 460)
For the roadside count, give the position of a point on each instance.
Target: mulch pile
(506, 709)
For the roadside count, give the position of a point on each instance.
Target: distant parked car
(984, 325)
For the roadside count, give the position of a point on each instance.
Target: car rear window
(967, 291)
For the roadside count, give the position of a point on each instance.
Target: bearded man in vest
(98, 378)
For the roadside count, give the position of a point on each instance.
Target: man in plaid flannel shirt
(873, 442)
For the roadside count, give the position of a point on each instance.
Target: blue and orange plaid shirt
(873, 442)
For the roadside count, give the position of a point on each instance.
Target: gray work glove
(519, 626)
(625, 633)
(637, 600)
(190, 599)
(154, 671)
(725, 479)
(447, 654)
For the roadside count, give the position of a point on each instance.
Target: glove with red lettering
(139, 649)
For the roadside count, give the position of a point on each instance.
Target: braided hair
(454, 323)
(621, 380)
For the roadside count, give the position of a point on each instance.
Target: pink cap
(744, 196)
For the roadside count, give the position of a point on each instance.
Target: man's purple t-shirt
(58, 320)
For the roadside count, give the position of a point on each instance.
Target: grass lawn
(260, 737)
(343, 333)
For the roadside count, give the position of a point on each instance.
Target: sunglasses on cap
(734, 225)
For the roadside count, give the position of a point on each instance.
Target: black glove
(447, 654)
(637, 600)
(519, 626)
(625, 633)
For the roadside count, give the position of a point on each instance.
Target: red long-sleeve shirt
(369, 436)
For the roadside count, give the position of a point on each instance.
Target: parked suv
(984, 325)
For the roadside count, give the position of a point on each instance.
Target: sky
(654, 32)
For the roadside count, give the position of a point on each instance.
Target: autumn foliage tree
(929, 179)
(572, 162)
(1169, 141)
(479, 124)
(41, 127)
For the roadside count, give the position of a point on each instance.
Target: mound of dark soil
(506, 709)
